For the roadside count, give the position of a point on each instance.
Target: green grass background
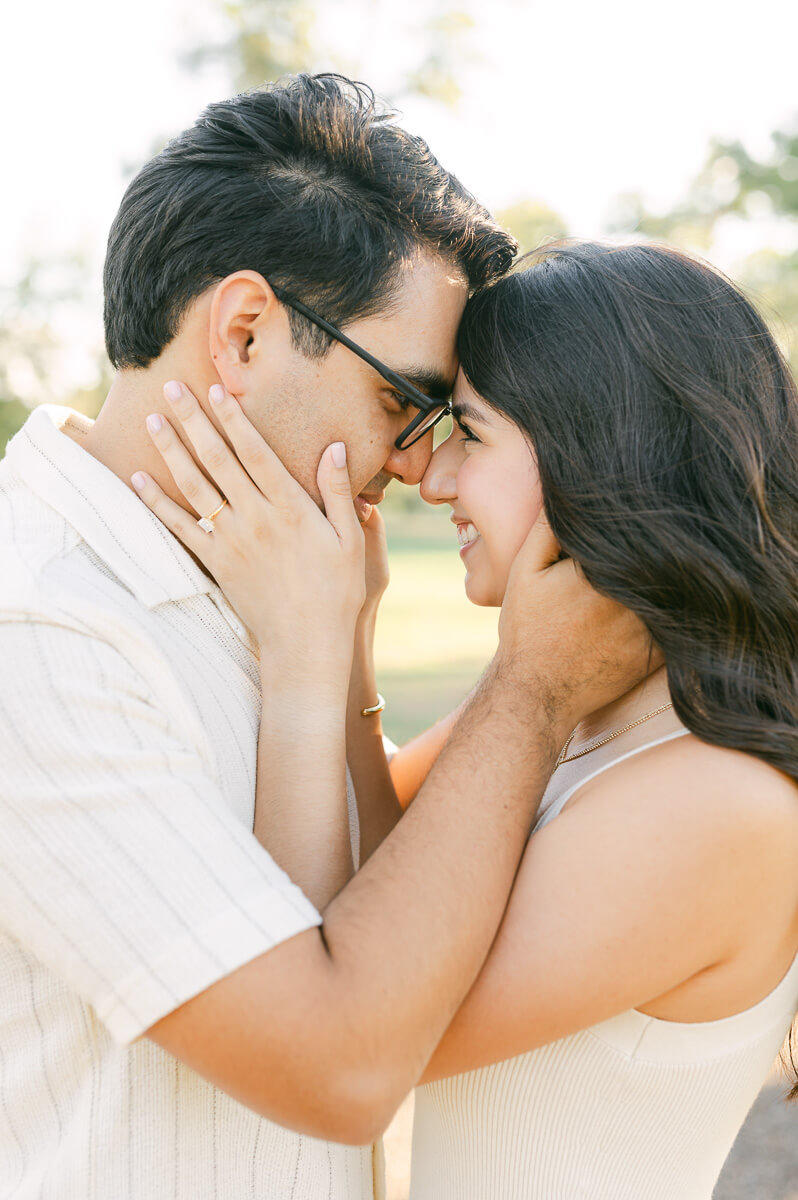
(431, 644)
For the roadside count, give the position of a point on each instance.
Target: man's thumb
(541, 548)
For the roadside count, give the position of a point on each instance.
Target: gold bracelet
(375, 708)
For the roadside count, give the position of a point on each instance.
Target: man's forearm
(328, 1033)
(414, 926)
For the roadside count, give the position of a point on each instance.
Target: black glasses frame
(425, 404)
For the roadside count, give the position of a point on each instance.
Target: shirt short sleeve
(121, 866)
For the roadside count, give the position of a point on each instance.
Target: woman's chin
(482, 592)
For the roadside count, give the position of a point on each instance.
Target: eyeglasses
(430, 410)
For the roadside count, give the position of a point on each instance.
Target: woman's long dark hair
(665, 426)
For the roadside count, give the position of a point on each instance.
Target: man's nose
(408, 466)
(439, 484)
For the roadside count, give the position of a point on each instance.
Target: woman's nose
(439, 484)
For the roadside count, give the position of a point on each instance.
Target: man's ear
(243, 308)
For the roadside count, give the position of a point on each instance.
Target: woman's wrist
(366, 624)
(305, 686)
(363, 679)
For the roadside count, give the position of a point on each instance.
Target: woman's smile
(486, 471)
(467, 532)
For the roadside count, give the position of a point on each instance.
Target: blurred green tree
(261, 39)
(532, 223)
(445, 34)
(264, 39)
(34, 352)
(733, 187)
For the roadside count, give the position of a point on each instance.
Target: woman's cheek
(520, 529)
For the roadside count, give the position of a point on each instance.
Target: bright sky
(570, 102)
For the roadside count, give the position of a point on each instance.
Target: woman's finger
(255, 455)
(175, 518)
(332, 478)
(211, 449)
(200, 493)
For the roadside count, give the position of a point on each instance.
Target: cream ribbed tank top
(634, 1108)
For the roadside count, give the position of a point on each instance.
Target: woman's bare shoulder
(729, 793)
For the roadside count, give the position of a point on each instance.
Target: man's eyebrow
(427, 380)
(467, 412)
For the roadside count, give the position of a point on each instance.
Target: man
(171, 1001)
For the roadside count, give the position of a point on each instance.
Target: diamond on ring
(206, 523)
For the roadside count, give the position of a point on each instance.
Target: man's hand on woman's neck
(645, 697)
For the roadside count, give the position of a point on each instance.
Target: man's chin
(370, 497)
(365, 501)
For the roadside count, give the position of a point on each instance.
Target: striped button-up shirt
(129, 876)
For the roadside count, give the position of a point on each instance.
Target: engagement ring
(206, 523)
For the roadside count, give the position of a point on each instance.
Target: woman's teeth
(467, 533)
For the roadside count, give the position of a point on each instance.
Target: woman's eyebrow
(468, 413)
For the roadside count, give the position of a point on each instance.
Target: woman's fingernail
(362, 509)
(138, 480)
(216, 394)
(154, 423)
(338, 450)
(172, 390)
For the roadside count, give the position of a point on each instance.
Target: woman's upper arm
(647, 880)
(412, 763)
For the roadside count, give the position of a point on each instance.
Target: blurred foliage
(734, 181)
(731, 182)
(445, 35)
(431, 643)
(265, 39)
(771, 278)
(735, 186)
(532, 223)
(13, 416)
(262, 39)
(32, 346)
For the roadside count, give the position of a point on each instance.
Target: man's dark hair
(308, 182)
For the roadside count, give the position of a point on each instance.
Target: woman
(646, 972)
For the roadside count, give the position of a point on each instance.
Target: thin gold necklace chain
(562, 759)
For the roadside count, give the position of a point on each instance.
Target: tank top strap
(557, 805)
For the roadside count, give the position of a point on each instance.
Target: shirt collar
(106, 514)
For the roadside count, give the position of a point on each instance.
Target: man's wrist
(525, 700)
(514, 671)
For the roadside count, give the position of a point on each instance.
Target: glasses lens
(425, 422)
